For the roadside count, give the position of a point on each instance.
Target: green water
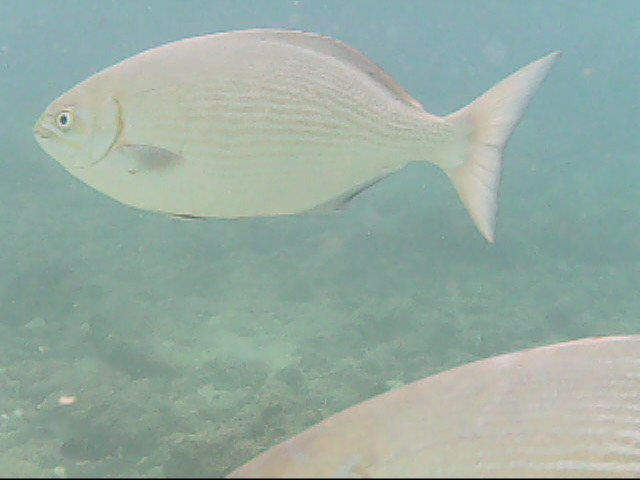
(191, 347)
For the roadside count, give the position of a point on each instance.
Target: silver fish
(566, 410)
(268, 122)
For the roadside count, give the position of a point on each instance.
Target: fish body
(566, 410)
(267, 123)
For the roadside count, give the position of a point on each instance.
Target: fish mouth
(41, 132)
(81, 166)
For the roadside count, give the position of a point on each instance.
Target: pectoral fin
(146, 158)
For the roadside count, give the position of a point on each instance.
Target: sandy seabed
(191, 347)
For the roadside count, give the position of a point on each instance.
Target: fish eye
(64, 120)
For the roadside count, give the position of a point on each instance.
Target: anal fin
(342, 201)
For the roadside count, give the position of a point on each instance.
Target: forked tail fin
(486, 125)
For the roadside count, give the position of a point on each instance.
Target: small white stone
(60, 472)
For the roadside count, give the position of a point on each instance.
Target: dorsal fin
(337, 50)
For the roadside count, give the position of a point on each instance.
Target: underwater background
(192, 346)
